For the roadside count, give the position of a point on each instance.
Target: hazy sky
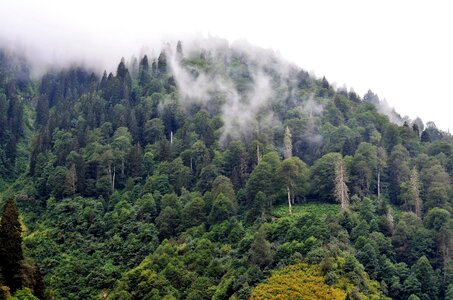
(402, 50)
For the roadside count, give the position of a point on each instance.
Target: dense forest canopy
(216, 172)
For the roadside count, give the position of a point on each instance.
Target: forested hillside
(216, 172)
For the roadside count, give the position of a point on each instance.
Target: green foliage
(132, 187)
(318, 209)
(24, 294)
(263, 178)
(294, 174)
(323, 176)
(260, 250)
(303, 281)
(222, 209)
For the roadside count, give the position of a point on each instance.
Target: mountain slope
(172, 179)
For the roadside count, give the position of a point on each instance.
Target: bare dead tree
(341, 188)
(288, 151)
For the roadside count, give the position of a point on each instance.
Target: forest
(219, 171)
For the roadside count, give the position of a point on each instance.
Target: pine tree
(162, 63)
(42, 111)
(425, 138)
(449, 292)
(179, 49)
(428, 278)
(143, 73)
(341, 189)
(38, 283)
(135, 161)
(11, 254)
(260, 250)
(288, 152)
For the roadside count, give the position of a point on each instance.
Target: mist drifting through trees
(216, 171)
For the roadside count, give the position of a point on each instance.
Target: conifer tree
(71, 181)
(11, 254)
(143, 73)
(425, 138)
(260, 250)
(179, 49)
(162, 63)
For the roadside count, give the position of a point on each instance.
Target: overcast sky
(402, 50)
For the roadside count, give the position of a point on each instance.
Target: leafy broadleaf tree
(223, 208)
(263, 177)
(323, 177)
(294, 175)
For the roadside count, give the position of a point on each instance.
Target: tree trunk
(379, 185)
(258, 155)
(113, 179)
(289, 201)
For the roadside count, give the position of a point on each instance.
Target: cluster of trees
(302, 281)
(13, 90)
(132, 192)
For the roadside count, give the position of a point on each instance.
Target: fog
(399, 50)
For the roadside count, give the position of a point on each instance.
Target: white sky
(402, 50)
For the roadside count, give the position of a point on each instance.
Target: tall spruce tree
(11, 254)
(260, 250)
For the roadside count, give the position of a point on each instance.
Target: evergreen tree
(449, 292)
(258, 207)
(42, 111)
(425, 138)
(71, 181)
(179, 48)
(162, 63)
(399, 171)
(429, 280)
(11, 254)
(260, 250)
(144, 74)
(193, 213)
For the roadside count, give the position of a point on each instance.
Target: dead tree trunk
(289, 201)
(341, 189)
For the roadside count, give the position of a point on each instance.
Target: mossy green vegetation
(318, 209)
